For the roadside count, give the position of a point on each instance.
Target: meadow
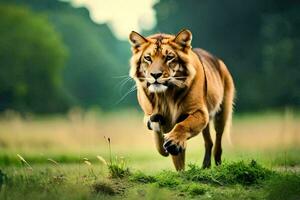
(70, 157)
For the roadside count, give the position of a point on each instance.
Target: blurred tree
(258, 40)
(97, 61)
(32, 56)
(281, 46)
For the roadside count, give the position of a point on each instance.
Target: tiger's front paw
(174, 143)
(154, 122)
(157, 118)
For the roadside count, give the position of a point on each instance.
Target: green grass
(284, 186)
(229, 173)
(238, 180)
(197, 181)
(288, 157)
(69, 158)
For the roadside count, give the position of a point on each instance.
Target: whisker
(122, 83)
(121, 76)
(133, 88)
(179, 76)
(177, 82)
(143, 78)
(164, 79)
(124, 80)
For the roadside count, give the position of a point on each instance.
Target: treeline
(258, 40)
(53, 57)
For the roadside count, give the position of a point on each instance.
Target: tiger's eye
(148, 58)
(169, 57)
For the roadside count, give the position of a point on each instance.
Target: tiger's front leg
(175, 141)
(154, 122)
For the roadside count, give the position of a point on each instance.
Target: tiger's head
(162, 61)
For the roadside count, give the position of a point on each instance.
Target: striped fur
(187, 87)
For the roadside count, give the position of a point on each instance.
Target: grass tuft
(118, 168)
(196, 181)
(168, 179)
(233, 173)
(195, 189)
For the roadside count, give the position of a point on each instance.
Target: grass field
(58, 158)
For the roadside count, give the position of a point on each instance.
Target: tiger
(181, 90)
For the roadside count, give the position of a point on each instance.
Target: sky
(122, 16)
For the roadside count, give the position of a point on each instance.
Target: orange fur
(186, 87)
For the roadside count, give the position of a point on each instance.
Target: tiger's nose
(156, 75)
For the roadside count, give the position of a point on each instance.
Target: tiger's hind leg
(222, 122)
(219, 123)
(208, 146)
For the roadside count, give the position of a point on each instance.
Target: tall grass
(272, 138)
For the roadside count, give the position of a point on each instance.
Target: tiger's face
(158, 61)
(160, 68)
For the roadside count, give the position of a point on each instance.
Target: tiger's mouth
(157, 87)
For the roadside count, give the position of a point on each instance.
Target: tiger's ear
(136, 39)
(184, 38)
